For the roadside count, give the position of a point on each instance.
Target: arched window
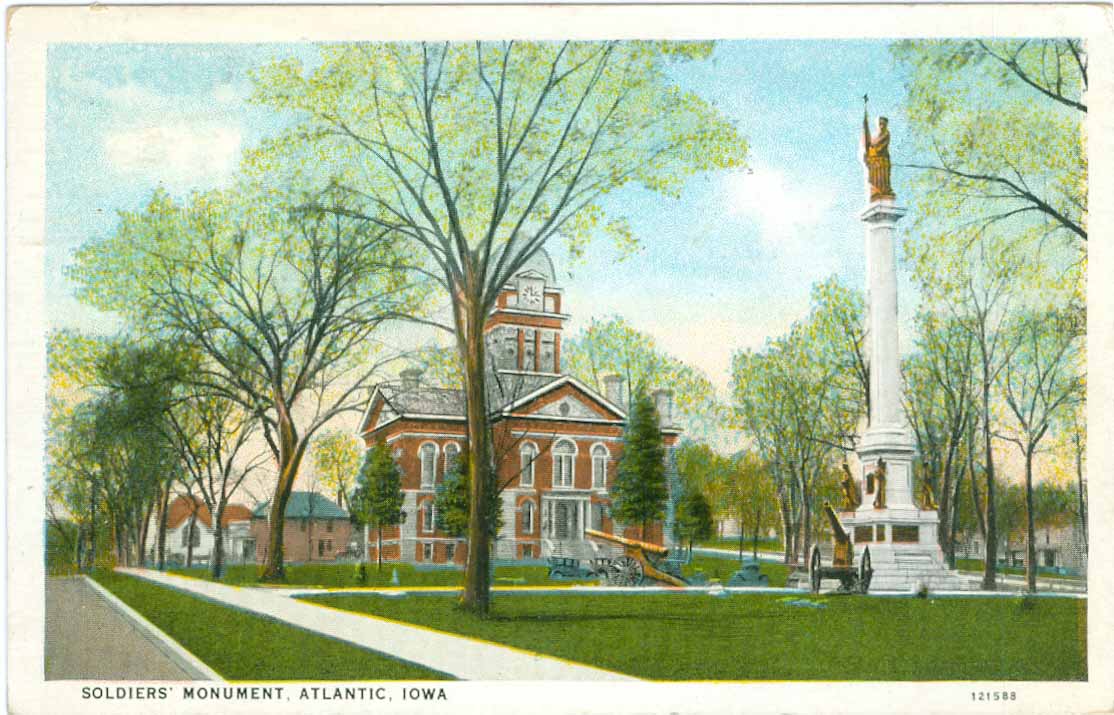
(429, 516)
(527, 455)
(600, 456)
(564, 453)
(428, 454)
(452, 454)
(528, 517)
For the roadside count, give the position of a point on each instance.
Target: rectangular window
(428, 455)
(429, 517)
(329, 526)
(550, 304)
(549, 352)
(527, 551)
(321, 547)
(526, 466)
(528, 350)
(427, 552)
(301, 524)
(450, 551)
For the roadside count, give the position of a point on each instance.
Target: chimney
(613, 390)
(663, 401)
(411, 376)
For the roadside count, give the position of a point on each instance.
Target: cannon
(640, 561)
(851, 580)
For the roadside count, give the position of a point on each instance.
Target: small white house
(189, 519)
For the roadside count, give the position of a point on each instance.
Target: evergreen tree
(640, 490)
(377, 500)
(694, 518)
(453, 502)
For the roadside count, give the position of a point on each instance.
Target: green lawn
(732, 544)
(763, 637)
(344, 576)
(240, 646)
(977, 565)
(721, 569)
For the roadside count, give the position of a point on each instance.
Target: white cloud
(177, 154)
(787, 211)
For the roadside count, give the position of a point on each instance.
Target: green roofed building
(316, 529)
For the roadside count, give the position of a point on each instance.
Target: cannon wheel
(865, 572)
(626, 571)
(814, 570)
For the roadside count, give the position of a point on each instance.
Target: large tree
(377, 499)
(940, 403)
(1038, 384)
(613, 346)
(336, 457)
(281, 300)
(996, 128)
(640, 490)
(481, 153)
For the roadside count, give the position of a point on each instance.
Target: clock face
(530, 296)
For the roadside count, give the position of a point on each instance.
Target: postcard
(559, 359)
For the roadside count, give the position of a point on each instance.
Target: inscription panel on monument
(905, 534)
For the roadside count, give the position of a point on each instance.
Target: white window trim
(421, 465)
(607, 460)
(522, 481)
(572, 463)
(445, 450)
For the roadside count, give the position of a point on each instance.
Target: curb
(171, 648)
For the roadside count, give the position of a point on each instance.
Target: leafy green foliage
(639, 492)
(454, 502)
(336, 458)
(612, 346)
(377, 499)
(694, 517)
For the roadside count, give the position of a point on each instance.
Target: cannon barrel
(645, 546)
(837, 527)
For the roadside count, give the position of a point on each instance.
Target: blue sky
(728, 264)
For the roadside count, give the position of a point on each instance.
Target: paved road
(88, 639)
(460, 656)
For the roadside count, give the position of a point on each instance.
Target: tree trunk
(476, 597)
(806, 519)
(162, 528)
(741, 534)
(1080, 486)
(1030, 532)
(379, 547)
(93, 526)
(216, 561)
(291, 451)
(190, 530)
(953, 522)
(786, 531)
(990, 567)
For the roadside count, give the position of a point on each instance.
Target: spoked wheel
(814, 570)
(865, 571)
(626, 571)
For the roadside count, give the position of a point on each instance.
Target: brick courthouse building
(557, 442)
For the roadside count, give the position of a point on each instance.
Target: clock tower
(524, 329)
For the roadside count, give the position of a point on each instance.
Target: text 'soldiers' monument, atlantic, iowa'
(900, 533)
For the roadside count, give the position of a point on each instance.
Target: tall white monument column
(901, 535)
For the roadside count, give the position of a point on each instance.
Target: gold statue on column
(851, 498)
(876, 156)
(880, 485)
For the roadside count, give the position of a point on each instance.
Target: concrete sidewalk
(89, 638)
(459, 656)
